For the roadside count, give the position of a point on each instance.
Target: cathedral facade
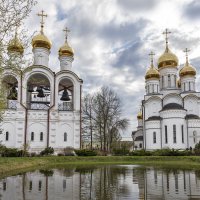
(170, 112)
(43, 107)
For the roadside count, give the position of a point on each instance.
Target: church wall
(191, 105)
(172, 98)
(150, 128)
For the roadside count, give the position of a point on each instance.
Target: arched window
(32, 136)
(65, 137)
(41, 136)
(169, 81)
(7, 136)
(140, 145)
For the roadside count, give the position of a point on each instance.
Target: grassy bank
(9, 166)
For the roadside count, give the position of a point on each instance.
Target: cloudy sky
(112, 40)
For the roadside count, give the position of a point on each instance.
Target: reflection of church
(43, 107)
(170, 116)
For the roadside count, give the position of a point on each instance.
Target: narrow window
(154, 137)
(194, 137)
(7, 136)
(157, 88)
(189, 86)
(40, 186)
(153, 88)
(182, 130)
(30, 185)
(174, 133)
(162, 81)
(32, 136)
(166, 136)
(65, 137)
(174, 80)
(169, 81)
(41, 136)
(184, 86)
(140, 145)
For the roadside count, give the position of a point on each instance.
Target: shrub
(120, 152)
(47, 151)
(86, 152)
(197, 149)
(11, 152)
(140, 153)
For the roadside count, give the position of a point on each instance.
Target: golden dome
(41, 40)
(152, 72)
(187, 70)
(66, 50)
(15, 45)
(139, 116)
(167, 59)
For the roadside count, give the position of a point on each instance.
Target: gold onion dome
(139, 116)
(15, 45)
(187, 70)
(41, 40)
(152, 72)
(66, 50)
(167, 59)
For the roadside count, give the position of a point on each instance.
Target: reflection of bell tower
(66, 54)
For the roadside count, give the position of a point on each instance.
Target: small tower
(41, 45)
(152, 78)
(167, 66)
(187, 76)
(66, 54)
(15, 46)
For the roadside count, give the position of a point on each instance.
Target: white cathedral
(170, 112)
(43, 107)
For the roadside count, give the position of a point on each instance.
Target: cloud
(192, 10)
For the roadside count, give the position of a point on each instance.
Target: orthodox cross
(186, 50)
(166, 32)
(42, 15)
(151, 54)
(66, 30)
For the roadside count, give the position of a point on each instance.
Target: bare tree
(104, 112)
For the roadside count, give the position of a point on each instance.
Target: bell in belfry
(65, 96)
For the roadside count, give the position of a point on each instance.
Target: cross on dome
(151, 54)
(42, 15)
(66, 31)
(166, 32)
(186, 50)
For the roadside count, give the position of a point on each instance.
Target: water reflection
(102, 183)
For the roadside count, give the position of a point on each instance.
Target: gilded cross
(66, 30)
(166, 32)
(42, 15)
(186, 50)
(151, 54)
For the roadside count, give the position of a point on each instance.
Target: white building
(171, 106)
(43, 107)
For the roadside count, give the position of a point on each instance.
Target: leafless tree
(104, 114)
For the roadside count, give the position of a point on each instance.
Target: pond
(107, 182)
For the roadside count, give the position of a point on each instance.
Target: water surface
(110, 182)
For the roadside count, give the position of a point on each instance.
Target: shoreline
(12, 166)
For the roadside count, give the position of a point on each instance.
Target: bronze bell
(13, 94)
(65, 96)
(40, 93)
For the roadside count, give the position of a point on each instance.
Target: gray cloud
(192, 10)
(135, 5)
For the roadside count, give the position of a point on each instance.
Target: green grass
(11, 166)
